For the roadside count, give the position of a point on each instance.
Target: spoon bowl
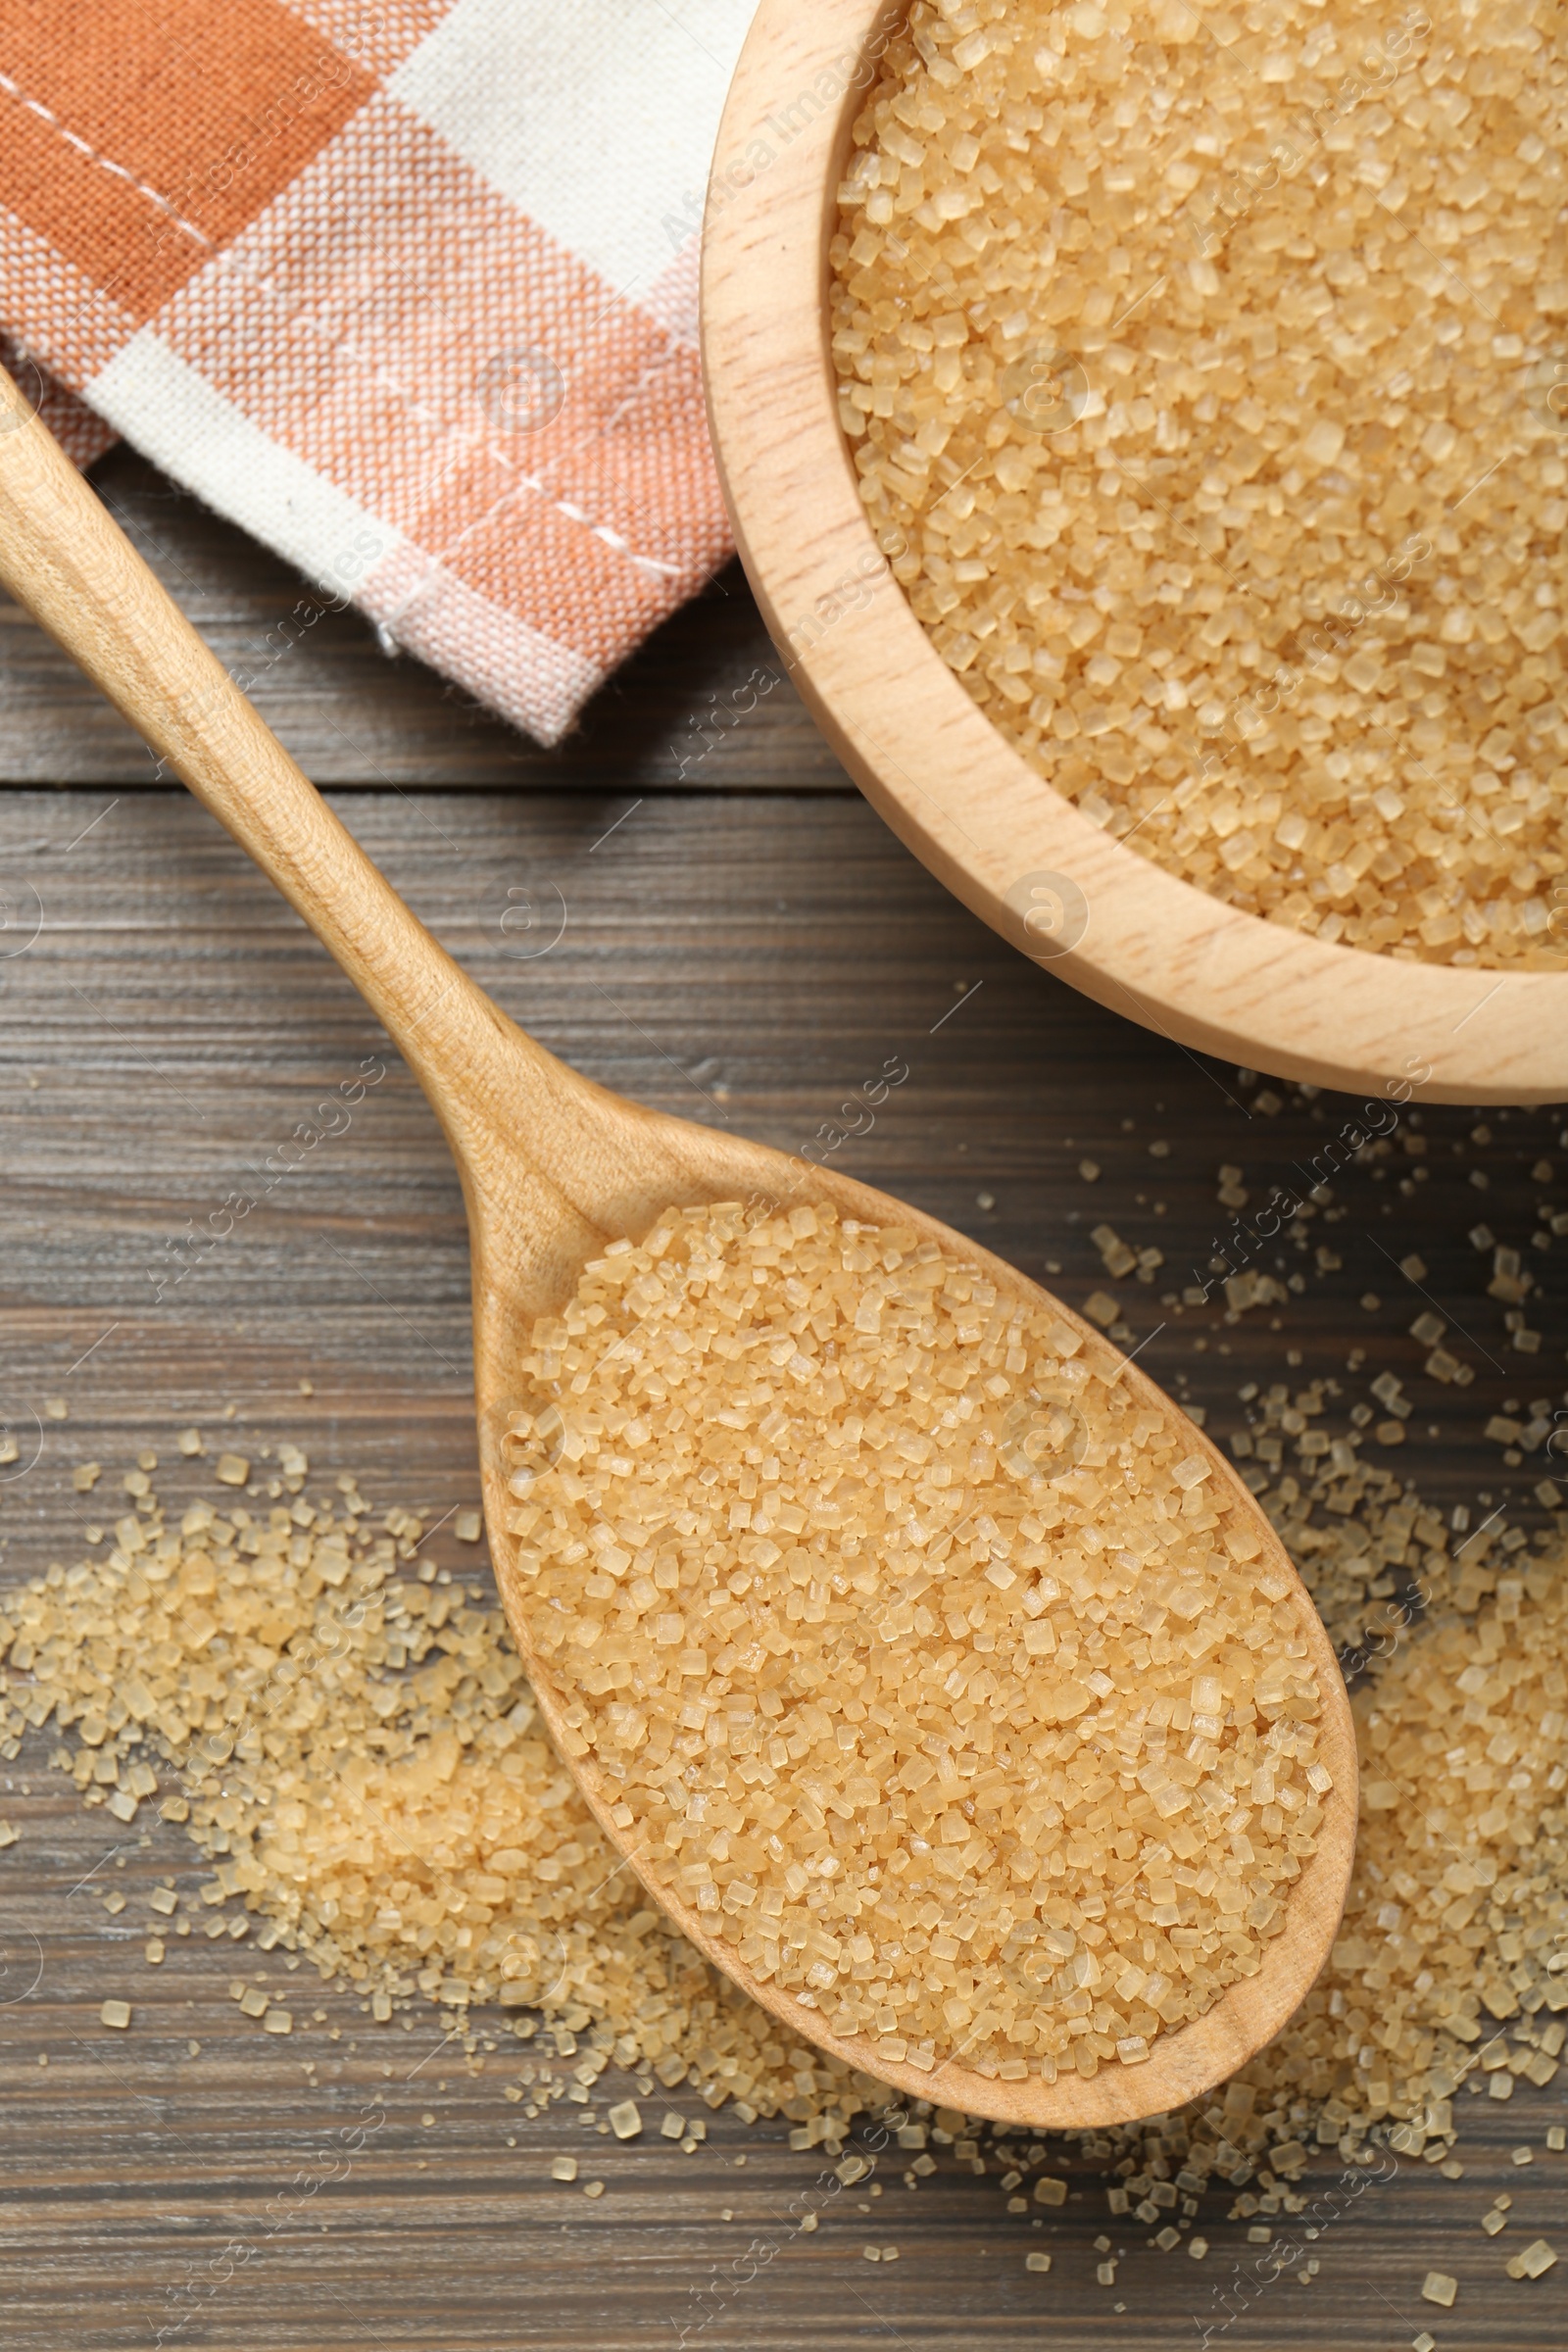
(552, 1168)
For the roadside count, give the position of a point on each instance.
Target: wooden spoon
(551, 1167)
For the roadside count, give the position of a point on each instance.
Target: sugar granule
(1206, 393)
(924, 1657)
(1376, 2044)
(357, 1752)
(1459, 1900)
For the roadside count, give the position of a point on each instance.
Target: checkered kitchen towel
(406, 287)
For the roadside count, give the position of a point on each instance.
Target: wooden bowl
(1123, 930)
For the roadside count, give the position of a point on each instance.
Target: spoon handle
(64, 557)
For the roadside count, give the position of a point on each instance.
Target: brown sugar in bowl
(1019, 855)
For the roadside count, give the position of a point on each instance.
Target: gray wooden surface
(726, 954)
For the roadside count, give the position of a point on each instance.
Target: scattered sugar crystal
(372, 1868)
(419, 1823)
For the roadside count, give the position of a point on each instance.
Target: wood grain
(551, 1167)
(692, 709)
(1129, 934)
(751, 959)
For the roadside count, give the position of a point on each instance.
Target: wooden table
(745, 945)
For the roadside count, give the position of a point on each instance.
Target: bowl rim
(1127, 933)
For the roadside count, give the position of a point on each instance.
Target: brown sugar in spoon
(552, 1167)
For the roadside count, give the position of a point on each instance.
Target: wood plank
(745, 960)
(706, 704)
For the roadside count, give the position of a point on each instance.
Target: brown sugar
(355, 1750)
(1448, 1970)
(351, 1744)
(1204, 381)
(932, 1666)
(1459, 1903)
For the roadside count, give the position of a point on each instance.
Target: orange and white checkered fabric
(406, 287)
